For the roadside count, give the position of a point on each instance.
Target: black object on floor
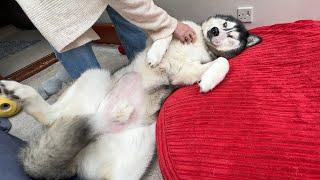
(5, 124)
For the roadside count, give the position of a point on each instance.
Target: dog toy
(8, 107)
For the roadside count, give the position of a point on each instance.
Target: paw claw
(204, 88)
(153, 63)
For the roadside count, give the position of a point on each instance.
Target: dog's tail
(51, 155)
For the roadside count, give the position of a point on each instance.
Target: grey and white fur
(103, 126)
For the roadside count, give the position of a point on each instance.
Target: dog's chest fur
(179, 54)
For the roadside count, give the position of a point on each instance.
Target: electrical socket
(245, 14)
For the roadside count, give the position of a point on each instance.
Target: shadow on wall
(265, 11)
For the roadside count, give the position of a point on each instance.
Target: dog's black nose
(213, 32)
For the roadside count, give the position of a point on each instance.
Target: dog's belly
(86, 94)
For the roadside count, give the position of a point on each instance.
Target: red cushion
(262, 121)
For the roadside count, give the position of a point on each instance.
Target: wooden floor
(33, 68)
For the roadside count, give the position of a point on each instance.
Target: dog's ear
(253, 40)
(123, 106)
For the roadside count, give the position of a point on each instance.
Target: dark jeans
(10, 167)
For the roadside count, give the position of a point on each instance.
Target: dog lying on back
(103, 126)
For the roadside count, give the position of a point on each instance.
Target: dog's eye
(225, 25)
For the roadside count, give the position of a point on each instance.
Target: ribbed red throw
(262, 122)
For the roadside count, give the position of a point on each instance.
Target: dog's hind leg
(136, 150)
(32, 102)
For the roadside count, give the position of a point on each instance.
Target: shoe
(54, 84)
(5, 124)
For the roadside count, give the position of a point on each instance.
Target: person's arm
(146, 15)
(156, 22)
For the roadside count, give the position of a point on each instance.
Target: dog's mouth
(216, 41)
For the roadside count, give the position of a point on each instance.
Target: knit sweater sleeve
(146, 15)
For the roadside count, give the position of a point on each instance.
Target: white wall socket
(245, 14)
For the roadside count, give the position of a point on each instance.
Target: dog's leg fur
(214, 74)
(67, 105)
(32, 102)
(157, 50)
(51, 155)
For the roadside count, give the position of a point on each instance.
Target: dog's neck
(216, 53)
(212, 51)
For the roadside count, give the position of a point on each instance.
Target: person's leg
(132, 38)
(78, 60)
(75, 62)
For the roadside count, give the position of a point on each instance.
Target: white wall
(265, 11)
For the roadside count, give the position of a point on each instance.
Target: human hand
(184, 33)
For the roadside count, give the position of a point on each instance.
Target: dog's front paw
(153, 57)
(17, 91)
(205, 86)
(214, 75)
(157, 51)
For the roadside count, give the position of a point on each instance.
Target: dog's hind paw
(17, 91)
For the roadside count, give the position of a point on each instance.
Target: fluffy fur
(103, 126)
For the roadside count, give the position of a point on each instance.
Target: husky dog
(103, 126)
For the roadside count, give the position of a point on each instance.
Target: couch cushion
(262, 121)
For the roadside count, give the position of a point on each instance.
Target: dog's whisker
(228, 29)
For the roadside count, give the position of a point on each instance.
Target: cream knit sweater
(66, 24)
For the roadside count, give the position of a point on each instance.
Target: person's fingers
(192, 30)
(184, 39)
(187, 38)
(190, 36)
(194, 36)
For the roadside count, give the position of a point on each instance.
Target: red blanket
(263, 121)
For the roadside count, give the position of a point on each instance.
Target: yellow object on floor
(8, 107)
